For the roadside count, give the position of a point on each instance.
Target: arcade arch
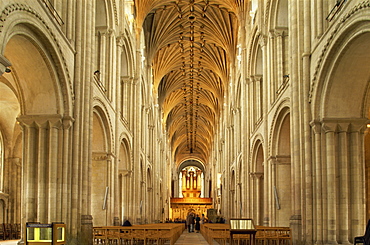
(342, 82)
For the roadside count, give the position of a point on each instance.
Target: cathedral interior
(142, 110)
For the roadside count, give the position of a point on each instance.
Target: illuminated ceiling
(191, 45)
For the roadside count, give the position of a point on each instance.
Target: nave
(144, 110)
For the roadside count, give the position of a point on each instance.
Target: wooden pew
(147, 234)
(265, 235)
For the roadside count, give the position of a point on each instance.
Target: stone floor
(9, 242)
(191, 238)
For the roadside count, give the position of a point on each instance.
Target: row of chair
(10, 231)
(138, 234)
(264, 235)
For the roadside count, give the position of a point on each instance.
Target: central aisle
(192, 238)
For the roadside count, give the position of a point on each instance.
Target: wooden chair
(221, 236)
(151, 236)
(125, 236)
(113, 235)
(284, 236)
(365, 239)
(99, 235)
(138, 236)
(165, 235)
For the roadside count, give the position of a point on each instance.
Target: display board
(42, 234)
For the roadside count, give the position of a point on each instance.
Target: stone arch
(101, 169)
(125, 170)
(149, 196)
(280, 162)
(44, 59)
(278, 16)
(198, 169)
(256, 79)
(105, 44)
(127, 62)
(37, 86)
(339, 93)
(257, 180)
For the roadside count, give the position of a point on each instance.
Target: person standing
(197, 223)
(202, 219)
(190, 222)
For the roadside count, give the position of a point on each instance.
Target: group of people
(193, 222)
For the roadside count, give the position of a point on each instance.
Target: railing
(265, 235)
(146, 234)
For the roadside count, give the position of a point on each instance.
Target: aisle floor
(9, 242)
(193, 238)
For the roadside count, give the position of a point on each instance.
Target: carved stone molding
(41, 121)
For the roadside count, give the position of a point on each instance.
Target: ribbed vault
(191, 45)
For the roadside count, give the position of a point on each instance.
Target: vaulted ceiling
(191, 45)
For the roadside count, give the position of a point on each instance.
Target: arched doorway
(281, 196)
(102, 180)
(257, 178)
(125, 181)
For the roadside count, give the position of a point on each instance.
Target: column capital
(316, 126)
(262, 40)
(329, 127)
(67, 122)
(41, 121)
(280, 32)
(344, 124)
(256, 175)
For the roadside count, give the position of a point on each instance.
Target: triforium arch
(38, 96)
(256, 68)
(342, 81)
(280, 168)
(278, 18)
(258, 186)
(126, 59)
(105, 43)
(102, 169)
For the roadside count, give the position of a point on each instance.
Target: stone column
(343, 230)
(279, 33)
(102, 50)
(40, 139)
(296, 142)
(357, 198)
(258, 96)
(318, 184)
(270, 170)
(66, 167)
(258, 178)
(332, 183)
